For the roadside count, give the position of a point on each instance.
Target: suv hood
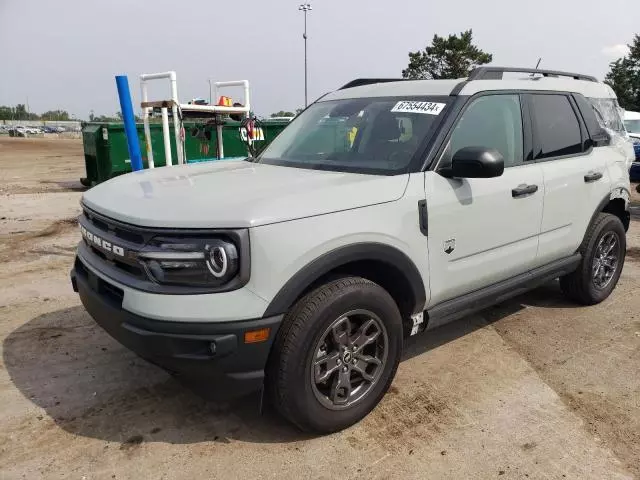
(235, 194)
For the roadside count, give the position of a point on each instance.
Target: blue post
(129, 122)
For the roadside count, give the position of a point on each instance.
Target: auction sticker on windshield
(409, 106)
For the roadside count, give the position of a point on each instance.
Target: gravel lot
(533, 388)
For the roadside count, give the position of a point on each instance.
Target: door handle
(524, 189)
(592, 177)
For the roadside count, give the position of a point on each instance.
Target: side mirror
(476, 162)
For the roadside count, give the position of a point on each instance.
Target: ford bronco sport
(385, 209)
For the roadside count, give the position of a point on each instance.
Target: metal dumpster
(106, 154)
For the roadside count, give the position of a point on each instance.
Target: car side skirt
(459, 307)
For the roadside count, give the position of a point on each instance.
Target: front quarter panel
(279, 251)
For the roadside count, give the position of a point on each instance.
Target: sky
(64, 54)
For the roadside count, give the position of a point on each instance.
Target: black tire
(580, 285)
(290, 370)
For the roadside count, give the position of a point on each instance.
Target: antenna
(532, 75)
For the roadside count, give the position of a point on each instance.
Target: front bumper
(211, 358)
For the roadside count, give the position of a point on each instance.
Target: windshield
(632, 126)
(363, 135)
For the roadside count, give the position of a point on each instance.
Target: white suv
(385, 209)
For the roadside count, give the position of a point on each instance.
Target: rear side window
(590, 115)
(608, 114)
(556, 125)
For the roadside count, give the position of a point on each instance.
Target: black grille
(106, 225)
(128, 235)
(101, 234)
(132, 239)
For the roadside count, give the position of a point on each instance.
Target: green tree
(6, 112)
(282, 113)
(55, 115)
(452, 57)
(624, 77)
(20, 113)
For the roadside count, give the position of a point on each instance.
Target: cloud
(616, 51)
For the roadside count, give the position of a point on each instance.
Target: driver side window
(491, 121)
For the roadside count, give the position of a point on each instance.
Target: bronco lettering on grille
(101, 243)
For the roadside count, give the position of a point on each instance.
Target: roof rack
(358, 82)
(496, 73)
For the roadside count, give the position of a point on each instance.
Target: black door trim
(456, 308)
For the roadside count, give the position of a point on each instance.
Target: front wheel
(603, 252)
(335, 355)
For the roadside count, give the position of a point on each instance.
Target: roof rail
(496, 73)
(358, 82)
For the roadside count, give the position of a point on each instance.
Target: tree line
(456, 55)
(20, 112)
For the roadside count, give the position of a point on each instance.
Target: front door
(484, 230)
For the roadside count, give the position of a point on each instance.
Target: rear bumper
(211, 357)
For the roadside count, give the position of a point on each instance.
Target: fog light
(256, 336)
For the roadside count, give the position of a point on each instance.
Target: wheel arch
(615, 203)
(383, 264)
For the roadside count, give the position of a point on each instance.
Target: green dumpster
(106, 154)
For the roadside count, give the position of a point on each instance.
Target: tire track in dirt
(406, 418)
(15, 244)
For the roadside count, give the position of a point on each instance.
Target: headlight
(198, 262)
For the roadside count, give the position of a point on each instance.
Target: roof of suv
(550, 81)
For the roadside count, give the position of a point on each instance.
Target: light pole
(305, 7)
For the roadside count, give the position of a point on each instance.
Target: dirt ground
(534, 388)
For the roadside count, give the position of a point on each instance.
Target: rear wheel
(335, 355)
(603, 252)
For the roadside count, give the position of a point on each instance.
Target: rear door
(484, 230)
(576, 178)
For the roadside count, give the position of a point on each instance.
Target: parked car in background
(632, 124)
(18, 131)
